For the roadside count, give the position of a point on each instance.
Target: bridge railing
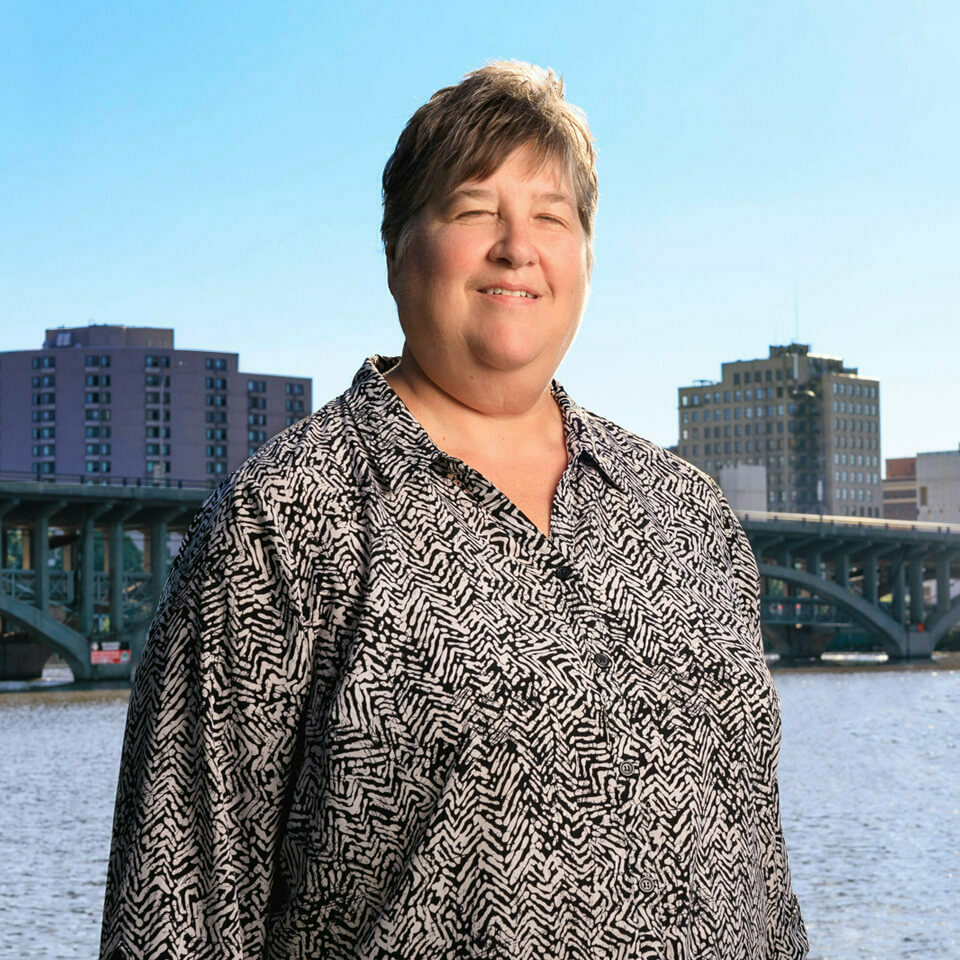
(87, 479)
(807, 610)
(882, 523)
(17, 584)
(61, 587)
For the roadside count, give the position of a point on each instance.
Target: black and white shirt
(381, 715)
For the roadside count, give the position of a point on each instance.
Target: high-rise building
(900, 489)
(812, 421)
(115, 403)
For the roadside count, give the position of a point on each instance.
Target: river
(869, 782)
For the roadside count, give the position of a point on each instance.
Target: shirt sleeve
(786, 934)
(210, 744)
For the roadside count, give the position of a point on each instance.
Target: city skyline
(766, 176)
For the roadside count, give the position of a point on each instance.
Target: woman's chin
(509, 357)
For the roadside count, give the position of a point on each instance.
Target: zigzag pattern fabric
(380, 716)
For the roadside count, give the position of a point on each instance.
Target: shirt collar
(399, 445)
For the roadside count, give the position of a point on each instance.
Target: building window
(258, 386)
(40, 363)
(215, 363)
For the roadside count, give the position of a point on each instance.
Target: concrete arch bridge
(65, 587)
(899, 581)
(69, 590)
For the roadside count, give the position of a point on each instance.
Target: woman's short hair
(465, 132)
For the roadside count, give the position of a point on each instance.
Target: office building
(117, 404)
(938, 486)
(900, 489)
(810, 420)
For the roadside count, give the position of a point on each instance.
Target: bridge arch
(69, 644)
(892, 636)
(941, 625)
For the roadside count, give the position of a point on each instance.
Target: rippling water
(870, 788)
(870, 795)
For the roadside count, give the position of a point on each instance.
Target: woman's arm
(210, 742)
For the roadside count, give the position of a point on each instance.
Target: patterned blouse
(380, 715)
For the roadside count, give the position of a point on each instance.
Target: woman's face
(493, 283)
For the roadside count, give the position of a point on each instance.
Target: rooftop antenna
(796, 313)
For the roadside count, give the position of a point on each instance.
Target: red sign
(109, 656)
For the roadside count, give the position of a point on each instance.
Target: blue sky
(215, 167)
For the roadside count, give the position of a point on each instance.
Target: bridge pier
(919, 644)
(943, 582)
(40, 560)
(899, 586)
(917, 610)
(842, 569)
(85, 612)
(870, 577)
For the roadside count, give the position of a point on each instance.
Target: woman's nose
(514, 244)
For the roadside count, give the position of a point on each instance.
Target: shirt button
(646, 883)
(697, 708)
(565, 573)
(628, 768)
(602, 660)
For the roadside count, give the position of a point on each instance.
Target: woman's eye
(472, 213)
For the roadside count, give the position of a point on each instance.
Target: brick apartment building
(116, 403)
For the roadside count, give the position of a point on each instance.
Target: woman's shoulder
(653, 464)
(305, 472)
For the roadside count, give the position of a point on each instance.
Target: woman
(454, 668)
